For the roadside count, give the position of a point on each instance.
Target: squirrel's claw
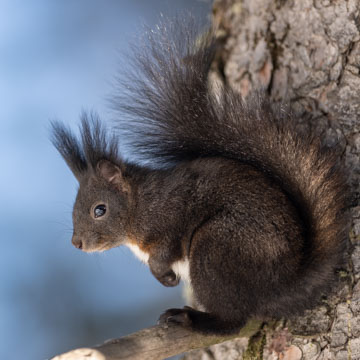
(178, 316)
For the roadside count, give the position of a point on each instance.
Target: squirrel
(233, 198)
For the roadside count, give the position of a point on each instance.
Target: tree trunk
(307, 52)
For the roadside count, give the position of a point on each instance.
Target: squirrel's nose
(77, 242)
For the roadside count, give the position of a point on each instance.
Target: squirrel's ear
(112, 174)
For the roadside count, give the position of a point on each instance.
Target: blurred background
(57, 58)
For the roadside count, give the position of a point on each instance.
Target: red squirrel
(234, 198)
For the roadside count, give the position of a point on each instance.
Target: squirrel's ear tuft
(69, 147)
(111, 173)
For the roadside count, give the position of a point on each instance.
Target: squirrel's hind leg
(200, 321)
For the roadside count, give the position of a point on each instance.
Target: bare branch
(154, 343)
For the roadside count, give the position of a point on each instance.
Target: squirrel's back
(176, 116)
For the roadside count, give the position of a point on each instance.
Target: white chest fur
(141, 255)
(181, 268)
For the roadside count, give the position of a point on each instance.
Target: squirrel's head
(101, 206)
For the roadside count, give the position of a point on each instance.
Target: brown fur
(256, 207)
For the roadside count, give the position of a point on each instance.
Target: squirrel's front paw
(169, 279)
(178, 316)
(163, 272)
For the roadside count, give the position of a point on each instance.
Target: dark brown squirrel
(234, 198)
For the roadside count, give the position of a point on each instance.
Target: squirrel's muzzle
(76, 241)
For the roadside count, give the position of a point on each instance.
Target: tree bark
(157, 342)
(306, 52)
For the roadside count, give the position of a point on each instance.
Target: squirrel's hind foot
(200, 321)
(178, 316)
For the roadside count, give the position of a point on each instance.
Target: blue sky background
(57, 58)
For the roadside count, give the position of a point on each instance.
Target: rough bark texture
(157, 342)
(307, 52)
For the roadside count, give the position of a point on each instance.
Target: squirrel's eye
(100, 210)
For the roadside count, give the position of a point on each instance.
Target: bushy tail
(175, 116)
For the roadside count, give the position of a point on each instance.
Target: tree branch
(154, 343)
